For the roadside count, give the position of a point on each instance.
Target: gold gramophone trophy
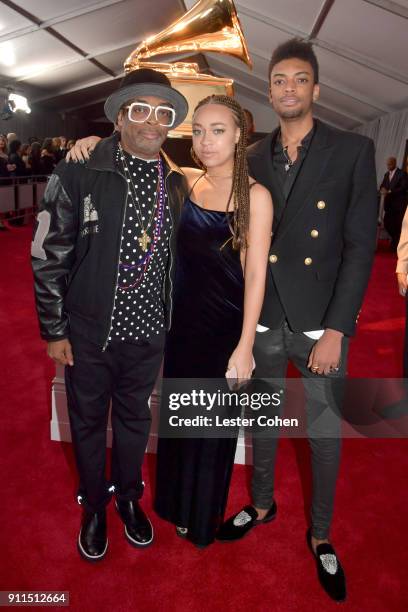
(210, 25)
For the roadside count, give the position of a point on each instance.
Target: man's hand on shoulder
(60, 351)
(82, 149)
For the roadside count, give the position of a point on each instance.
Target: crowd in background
(32, 158)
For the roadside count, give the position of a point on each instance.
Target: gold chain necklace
(144, 240)
(217, 176)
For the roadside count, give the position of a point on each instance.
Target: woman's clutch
(232, 372)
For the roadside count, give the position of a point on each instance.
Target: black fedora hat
(146, 82)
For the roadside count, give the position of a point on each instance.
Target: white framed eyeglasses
(139, 112)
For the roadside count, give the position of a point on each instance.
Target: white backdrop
(390, 133)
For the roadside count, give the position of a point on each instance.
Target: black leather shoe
(239, 524)
(92, 539)
(329, 569)
(138, 528)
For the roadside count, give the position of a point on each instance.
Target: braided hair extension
(240, 181)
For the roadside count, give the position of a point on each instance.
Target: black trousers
(124, 374)
(272, 351)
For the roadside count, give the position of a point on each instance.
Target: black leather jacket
(76, 246)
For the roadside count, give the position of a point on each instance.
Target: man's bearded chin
(291, 113)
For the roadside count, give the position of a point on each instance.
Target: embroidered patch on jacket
(90, 221)
(43, 225)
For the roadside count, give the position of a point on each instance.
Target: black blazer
(397, 199)
(324, 236)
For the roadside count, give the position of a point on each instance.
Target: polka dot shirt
(138, 312)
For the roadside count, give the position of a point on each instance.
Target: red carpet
(271, 569)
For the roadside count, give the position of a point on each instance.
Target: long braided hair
(240, 181)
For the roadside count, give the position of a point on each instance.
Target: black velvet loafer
(92, 539)
(241, 523)
(138, 528)
(329, 570)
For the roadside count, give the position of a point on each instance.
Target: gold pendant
(144, 241)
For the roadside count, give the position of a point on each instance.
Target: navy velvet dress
(193, 475)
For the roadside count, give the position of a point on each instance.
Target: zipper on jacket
(170, 255)
(117, 269)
